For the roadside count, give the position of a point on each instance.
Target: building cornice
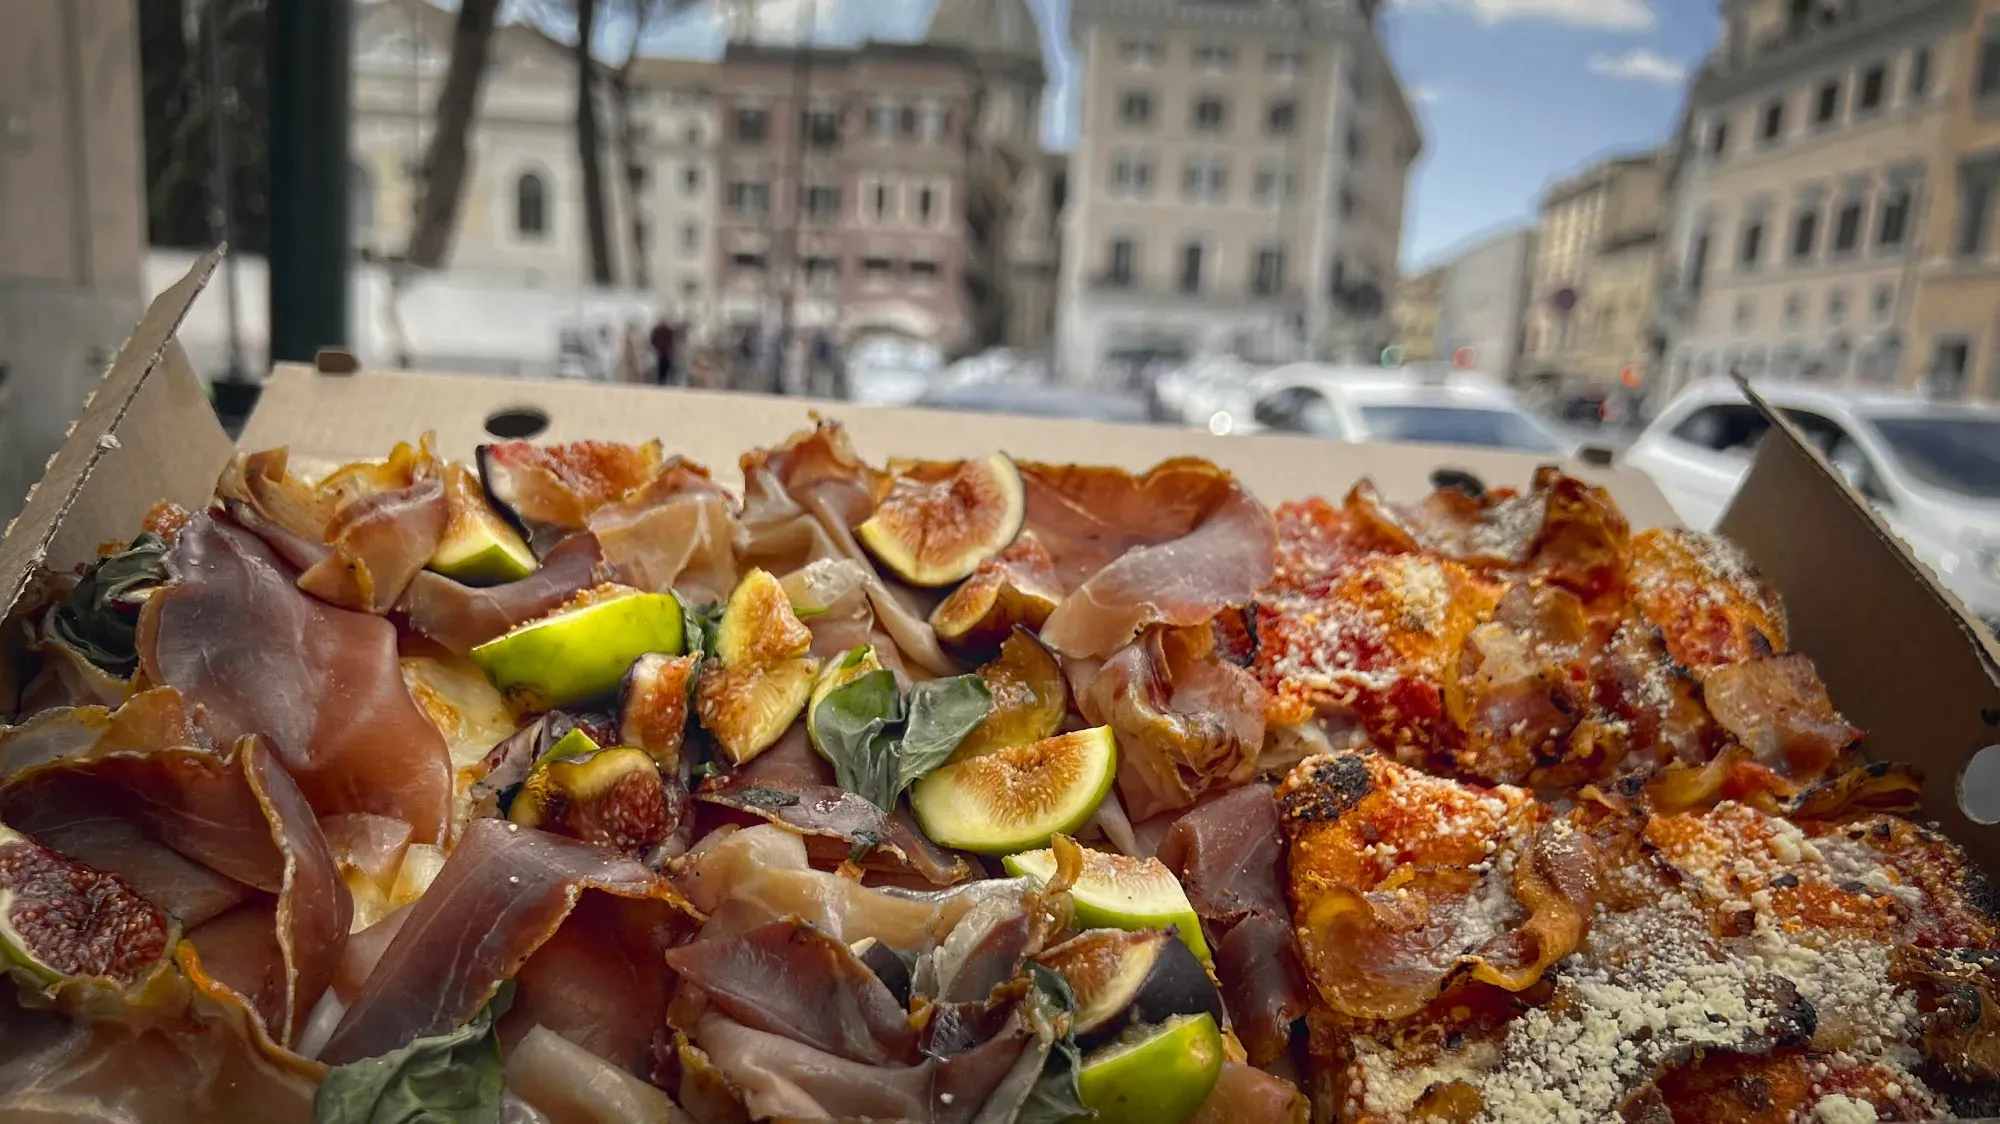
(1314, 20)
(1816, 46)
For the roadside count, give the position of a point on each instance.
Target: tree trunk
(445, 160)
(628, 162)
(589, 150)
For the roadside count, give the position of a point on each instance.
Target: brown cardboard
(1900, 655)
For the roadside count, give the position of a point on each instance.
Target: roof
(1005, 27)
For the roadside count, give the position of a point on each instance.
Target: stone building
(1419, 299)
(1596, 265)
(1483, 302)
(1237, 183)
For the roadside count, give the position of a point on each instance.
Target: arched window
(360, 198)
(531, 218)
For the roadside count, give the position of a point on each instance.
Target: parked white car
(1431, 407)
(1931, 468)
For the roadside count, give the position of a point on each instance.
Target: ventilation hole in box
(1459, 479)
(516, 423)
(1979, 786)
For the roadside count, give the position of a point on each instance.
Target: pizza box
(1901, 657)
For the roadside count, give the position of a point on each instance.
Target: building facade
(1840, 170)
(1589, 315)
(1237, 183)
(1418, 300)
(1483, 302)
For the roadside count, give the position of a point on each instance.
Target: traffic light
(1392, 356)
(1464, 358)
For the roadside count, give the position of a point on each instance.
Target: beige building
(1589, 315)
(1237, 183)
(1835, 221)
(1419, 300)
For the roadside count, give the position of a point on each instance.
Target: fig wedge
(582, 650)
(1016, 798)
(936, 521)
(759, 625)
(653, 706)
(560, 485)
(747, 708)
(1030, 698)
(60, 919)
(612, 798)
(478, 547)
(1121, 978)
(1015, 588)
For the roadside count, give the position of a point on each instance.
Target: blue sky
(1512, 93)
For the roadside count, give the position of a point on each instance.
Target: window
(637, 175)
(930, 206)
(1191, 263)
(1348, 204)
(1284, 62)
(747, 260)
(753, 125)
(822, 272)
(1894, 225)
(1753, 244)
(1872, 82)
(692, 136)
(907, 120)
(1275, 185)
(1774, 122)
(931, 124)
(822, 203)
(1805, 233)
(1267, 272)
(1213, 56)
(1203, 180)
(1118, 268)
(690, 237)
(878, 269)
(924, 272)
(1920, 73)
(1139, 52)
(1829, 103)
(1724, 429)
(531, 219)
(1718, 139)
(1208, 115)
(1836, 307)
(1745, 313)
(821, 127)
(1795, 310)
(1988, 78)
(1883, 302)
(1951, 357)
(1135, 109)
(881, 119)
(1280, 117)
(749, 198)
(691, 179)
(880, 201)
(1355, 148)
(1698, 262)
(1975, 209)
(1847, 228)
(1132, 174)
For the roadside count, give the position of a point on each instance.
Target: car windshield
(1451, 425)
(1959, 454)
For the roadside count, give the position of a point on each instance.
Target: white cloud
(1639, 65)
(1607, 15)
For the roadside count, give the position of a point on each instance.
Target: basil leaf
(453, 1078)
(942, 712)
(99, 619)
(857, 724)
(701, 625)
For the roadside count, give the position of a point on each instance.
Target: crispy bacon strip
(253, 655)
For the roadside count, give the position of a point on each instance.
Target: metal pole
(788, 299)
(309, 63)
(221, 202)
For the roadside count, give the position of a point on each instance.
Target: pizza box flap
(1902, 658)
(147, 433)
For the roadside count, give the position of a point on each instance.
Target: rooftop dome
(986, 26)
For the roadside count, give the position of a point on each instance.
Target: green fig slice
(582, 650)
(1016, 797)
(936, 521)
(854, 664)
(1121, 892)
(60, 919)
(1154, 1075)
(479, 547)
(611, 797)
(1030, 698)
(1121, 978)
(653, 706)
(759, 625)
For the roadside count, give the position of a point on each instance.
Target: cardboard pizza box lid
(1900, 656)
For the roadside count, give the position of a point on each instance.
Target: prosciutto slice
(253, 655)
(1229, 856)
(380, 542)
(1187, 721)
(1174, 546)
(237, 816)
(677, 532)
(461, 617)
(583, 929)
(792, 979)
(826, 812)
